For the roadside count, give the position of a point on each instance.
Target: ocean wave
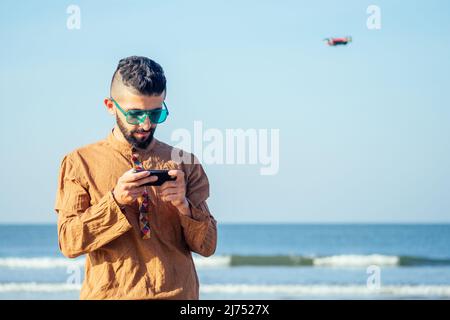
(357, 260)
(326, 290)
(38, 287)
(326, 261)
(212, 262)
(40, 263)
(293, 290)
(247, 260)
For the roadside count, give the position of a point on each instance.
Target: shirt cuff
(121, 207)
(122, 220)
(199, 218)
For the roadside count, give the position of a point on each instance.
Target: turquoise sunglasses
(138, 116)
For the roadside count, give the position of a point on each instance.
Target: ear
(109, 105)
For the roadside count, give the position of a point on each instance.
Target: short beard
(131, 139)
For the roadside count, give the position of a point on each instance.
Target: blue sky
(364, 129)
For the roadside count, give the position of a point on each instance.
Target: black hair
(141, 74)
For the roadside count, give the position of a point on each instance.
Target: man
(138, 239)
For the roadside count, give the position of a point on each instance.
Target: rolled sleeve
(82, 227)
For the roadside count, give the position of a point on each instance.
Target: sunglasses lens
(134, 117)
(158, 116)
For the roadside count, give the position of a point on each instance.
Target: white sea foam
(442, 291)
(38, 287)
(212, 262)
(329, 290)
(328, 261)
(52, 263)
(40, 263)
(357, 260)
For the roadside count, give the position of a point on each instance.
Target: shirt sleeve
(83, 227)
(200, 230)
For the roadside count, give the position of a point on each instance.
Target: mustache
(142, 131)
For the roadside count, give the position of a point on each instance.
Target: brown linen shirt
(119, 263)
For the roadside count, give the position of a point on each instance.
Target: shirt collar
(125, 147)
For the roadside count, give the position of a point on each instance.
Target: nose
(147, 124)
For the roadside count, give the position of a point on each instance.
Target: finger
(179, 174)
(170, 191)
(131, 176)
(126, 174)
(146, 180)
(136, 195)
(138, 190)
(132, 185)
(172, 197)
(168, 184)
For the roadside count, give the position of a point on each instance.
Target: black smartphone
(163, 176)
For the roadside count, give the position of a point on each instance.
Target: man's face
(139, 135)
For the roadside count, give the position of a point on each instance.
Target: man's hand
(128, 187)
(175, 192)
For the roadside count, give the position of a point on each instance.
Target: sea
(262, 261)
